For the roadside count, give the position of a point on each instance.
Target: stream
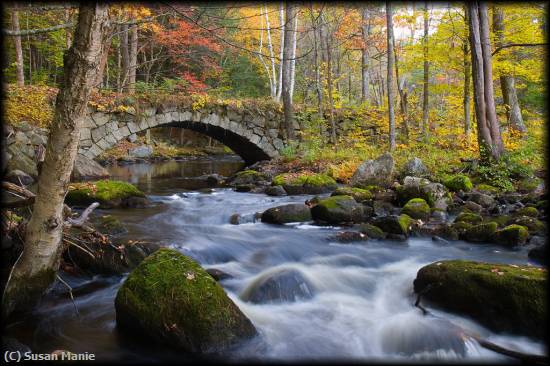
(361, 306)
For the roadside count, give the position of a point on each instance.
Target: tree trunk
(365, 31)
(402, 94)
(281, 50)
(318, 86)
(425, 107)
(488, 129)
(108, 36)
(132, 67)
(467, 77)
(507, 82)
(271, 56)
(68, 37)
(286, 71)
(260, 56)
(35, 270)
(391, 97)
(20, 75)
(293, 61)
(125, 57)
(329, 85)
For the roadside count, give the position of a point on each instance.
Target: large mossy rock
(294, 212)
(359, 194)
(512, 235)
(338, 209)
(305, 183)
(247, 177)
(414, 187)
(377, 172)
(171, 299)
(393, 224)
(417, 208)
(534, 225)
(481, 233)
(502, 297)
(469, 217)
(458, 182)
(109, 194)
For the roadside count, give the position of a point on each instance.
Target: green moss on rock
(502, 297)
(108, 193)
(512, 235)
(501, 220)
(248, 176)
(469, 217)
(373, 232)
(529, 184)
(458, 182)
(527, 211)
(171, 299)
(337, 209)
(417, 208)
(305, 183)
(534, 225)
(393, 224)
(461, 227)
(287, 213)
(481, 233)
(486, 188)
(358, 194)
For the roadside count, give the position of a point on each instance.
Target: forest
(297, 181)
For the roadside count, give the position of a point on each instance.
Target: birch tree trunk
(488, 129)
(329, 85)
(19, 73)
(35, 270)
(293, 61)
(132, 65)
(365, 31)
(125, 57)
(260, 55)
(391, 97)
(426, 93)
(286, 71)
(467, 77)
(281, 50)
(507, 82)
(271, 56)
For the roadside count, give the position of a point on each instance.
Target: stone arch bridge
(251, 132)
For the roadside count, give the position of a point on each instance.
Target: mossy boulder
(486, 188)
(529, 184)
(393, 224)
(305, 183)
(372, 232)
(527, 211)
(482, 199)
(247, 177)
(469, 217)
(458, 182)
(507, 298)
(414, 187)
(109, 194)
(171, 299)
(294, 212)
(109, 224)
(461, 227)
(511, 235)
(481, 233)
(534, 225)
(417, 208)
(501, 220)
(359, 194)
(338, 209)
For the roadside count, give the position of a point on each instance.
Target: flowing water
(352, 301)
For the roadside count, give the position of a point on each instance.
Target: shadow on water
(325, 300)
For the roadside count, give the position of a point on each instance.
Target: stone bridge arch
(253, 136)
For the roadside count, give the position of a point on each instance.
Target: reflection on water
(173, 174)
(361, 303)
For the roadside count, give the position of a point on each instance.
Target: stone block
(98, 133)
(85, 134)
(100, 118)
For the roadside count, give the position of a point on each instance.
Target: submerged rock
(275, 191)
(503, 297)
(294, 212)
(171, 299)
(284, 285)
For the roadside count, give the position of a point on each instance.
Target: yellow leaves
(33, 104)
